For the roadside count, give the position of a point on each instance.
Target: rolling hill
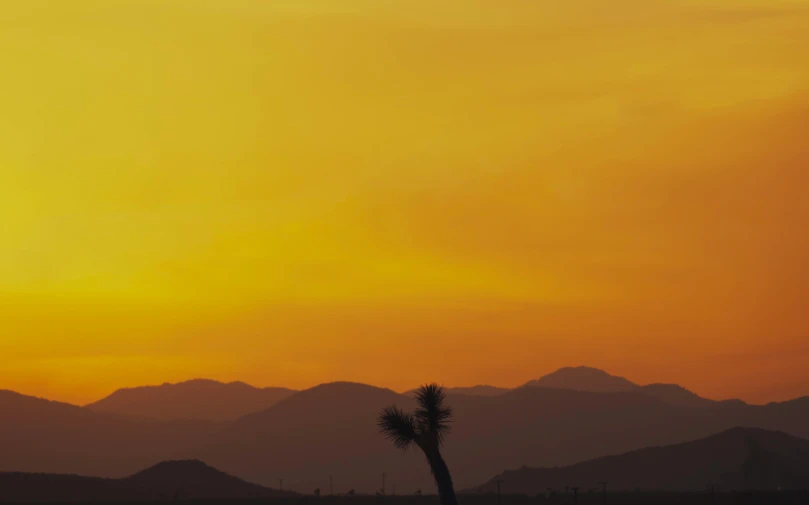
(193, 479)
(39, 435)
(735, 459)
(187, 480)
(199, 399)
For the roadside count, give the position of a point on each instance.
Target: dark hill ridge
(735, 459)
(187, 480)
(193, 479)
(200, 399)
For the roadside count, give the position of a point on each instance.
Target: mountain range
(736, 459)
(204, 399)
(194, 399)
(187, 480)
(329, 430)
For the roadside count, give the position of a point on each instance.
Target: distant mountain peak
(345, 384)
(178, 463)
(582, 370)
(584, 378)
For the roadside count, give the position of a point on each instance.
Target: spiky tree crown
(428, 425)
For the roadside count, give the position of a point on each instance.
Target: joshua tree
(426, 427)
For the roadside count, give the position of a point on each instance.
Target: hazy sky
(289, 192)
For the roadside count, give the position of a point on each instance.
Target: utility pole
(498, 490)
(604, 491)
(575, 496)
(331, 485)
(280, 484)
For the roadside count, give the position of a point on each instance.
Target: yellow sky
(294, 191)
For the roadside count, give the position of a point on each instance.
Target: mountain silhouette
(39, 435)
(589, 379)
(593, 380)
(193, 479)
(584, 378)
(187, 480)
(195, 399)
(735, 459)
(329, 430)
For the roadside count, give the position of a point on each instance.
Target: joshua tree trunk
(446, 492)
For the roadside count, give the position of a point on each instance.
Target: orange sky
(474, 191)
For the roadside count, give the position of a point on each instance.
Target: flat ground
(559, 498)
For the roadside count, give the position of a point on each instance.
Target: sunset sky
(289, 192)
